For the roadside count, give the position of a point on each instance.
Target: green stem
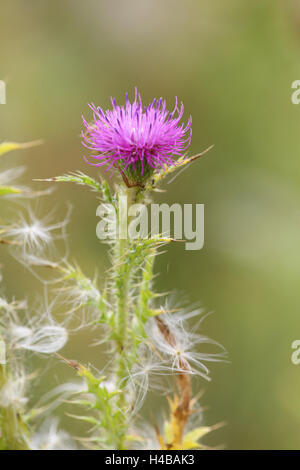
(146, 295)
(125, 260)
(122, 320)
(122, 312)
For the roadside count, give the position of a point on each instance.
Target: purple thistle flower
(137, 139)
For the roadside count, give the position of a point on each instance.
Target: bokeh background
(232, 63)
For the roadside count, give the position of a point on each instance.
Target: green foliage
(84, 180)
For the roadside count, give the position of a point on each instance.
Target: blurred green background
(232, 63)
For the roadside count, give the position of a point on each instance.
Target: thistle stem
(122, 318)
(122, 311)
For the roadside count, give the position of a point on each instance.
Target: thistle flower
(136, 139)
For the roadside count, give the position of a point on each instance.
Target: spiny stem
(146, 295)
(122, 318)
(122, 310)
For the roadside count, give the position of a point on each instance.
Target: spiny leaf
(190, 440)
(78, 178)
(168, 432)
(84, 180)
(180, 164)
(80, 402)
(197, 433)
(87, 419)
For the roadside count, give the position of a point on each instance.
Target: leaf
(80, 402)
(84, 180)
(168, 432)
(87, 419)
(6, 147)
(190, 440)
(78, 178)
(11, 190)
(5, 190)
(167, 170)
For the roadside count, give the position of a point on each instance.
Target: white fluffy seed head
(184, 349)
(35, 234)
(39, 333)
(46, 339)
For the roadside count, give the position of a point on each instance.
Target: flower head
(137, 139)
